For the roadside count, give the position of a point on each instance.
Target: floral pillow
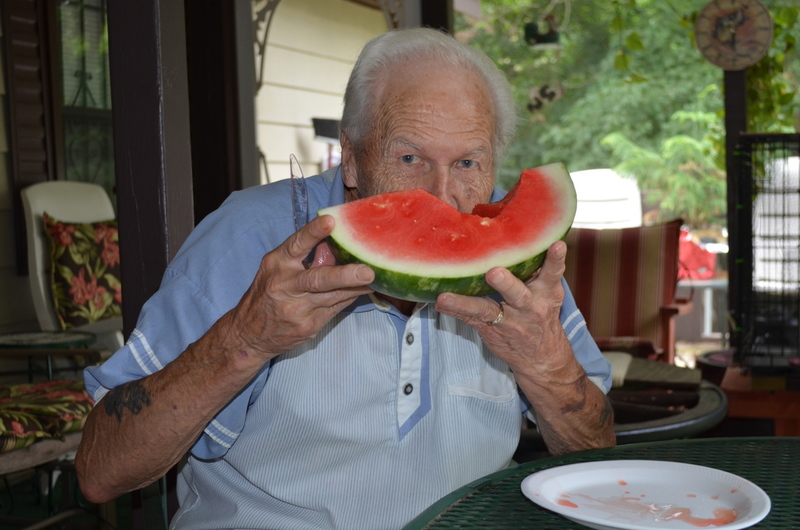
(85, 278)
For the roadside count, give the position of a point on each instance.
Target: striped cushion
(622, 277)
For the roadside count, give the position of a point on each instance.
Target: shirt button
(408, 389)
(410, 339)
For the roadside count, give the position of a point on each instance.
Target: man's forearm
(574, 417)
(142, 428)
(571, 412)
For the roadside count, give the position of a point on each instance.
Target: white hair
(387, 50)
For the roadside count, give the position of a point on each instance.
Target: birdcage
(765, 254)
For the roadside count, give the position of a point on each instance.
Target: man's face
(433, 130)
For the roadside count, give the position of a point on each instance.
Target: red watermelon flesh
(420, 246)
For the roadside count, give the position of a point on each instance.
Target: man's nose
(442, 185)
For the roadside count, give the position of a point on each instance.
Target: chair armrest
(681, 306)
(636, 346)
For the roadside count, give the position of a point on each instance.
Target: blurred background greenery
(625, 88)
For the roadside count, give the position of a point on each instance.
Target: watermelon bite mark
(420, 246)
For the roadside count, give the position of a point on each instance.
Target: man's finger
(510, 288)
(554, 264)
(325, 279)
(302, 242)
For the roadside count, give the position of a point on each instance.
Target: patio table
(496, 501)
(47, 344)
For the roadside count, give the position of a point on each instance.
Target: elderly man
(306, 400)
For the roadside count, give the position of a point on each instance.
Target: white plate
(648, 495)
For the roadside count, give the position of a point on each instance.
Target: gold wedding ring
(499, 318)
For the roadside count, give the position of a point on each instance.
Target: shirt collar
(370, 302)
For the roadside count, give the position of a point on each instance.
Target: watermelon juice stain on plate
(636, 508)
(648, 495)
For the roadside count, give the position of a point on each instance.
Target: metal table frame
(47, 344)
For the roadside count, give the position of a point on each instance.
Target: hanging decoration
(263, 13)
(393, 11)
(545, 32)
(542, 34)
(540, 96)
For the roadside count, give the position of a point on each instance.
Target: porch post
(415, 13)
(147, 54)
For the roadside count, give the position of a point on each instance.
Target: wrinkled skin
(423, 137)
(433, 130)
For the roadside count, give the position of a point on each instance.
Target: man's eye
(468, 164)
(409, 159)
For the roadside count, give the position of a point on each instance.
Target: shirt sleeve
(208, 277)
(583, 345)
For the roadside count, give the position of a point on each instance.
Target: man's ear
(349, 172)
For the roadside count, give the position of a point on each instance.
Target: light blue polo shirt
(362, 427)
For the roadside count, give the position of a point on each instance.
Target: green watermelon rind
(424, 289)
(404, 282)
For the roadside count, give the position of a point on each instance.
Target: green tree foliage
(637, 95)
(681, 177)
(773, 83)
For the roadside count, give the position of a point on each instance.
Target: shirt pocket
(492, 384)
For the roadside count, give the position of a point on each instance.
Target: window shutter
(27, 28)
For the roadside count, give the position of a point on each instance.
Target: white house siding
(311, 49)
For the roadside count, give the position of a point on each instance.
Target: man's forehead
(428, 87)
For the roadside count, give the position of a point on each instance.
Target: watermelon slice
(420, 246)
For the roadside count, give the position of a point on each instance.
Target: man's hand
(572, 413)
(529, 332)
(529, 337)
(287, 303)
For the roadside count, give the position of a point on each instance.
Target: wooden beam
(735, 125)
(419, 13)
(437, 14)
(246, 73)
(213, 99)
(147, 53)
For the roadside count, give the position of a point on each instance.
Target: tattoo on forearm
(607, 415)
(578, 405)
(132, 396)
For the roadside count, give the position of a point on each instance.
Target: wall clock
(733, 34)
